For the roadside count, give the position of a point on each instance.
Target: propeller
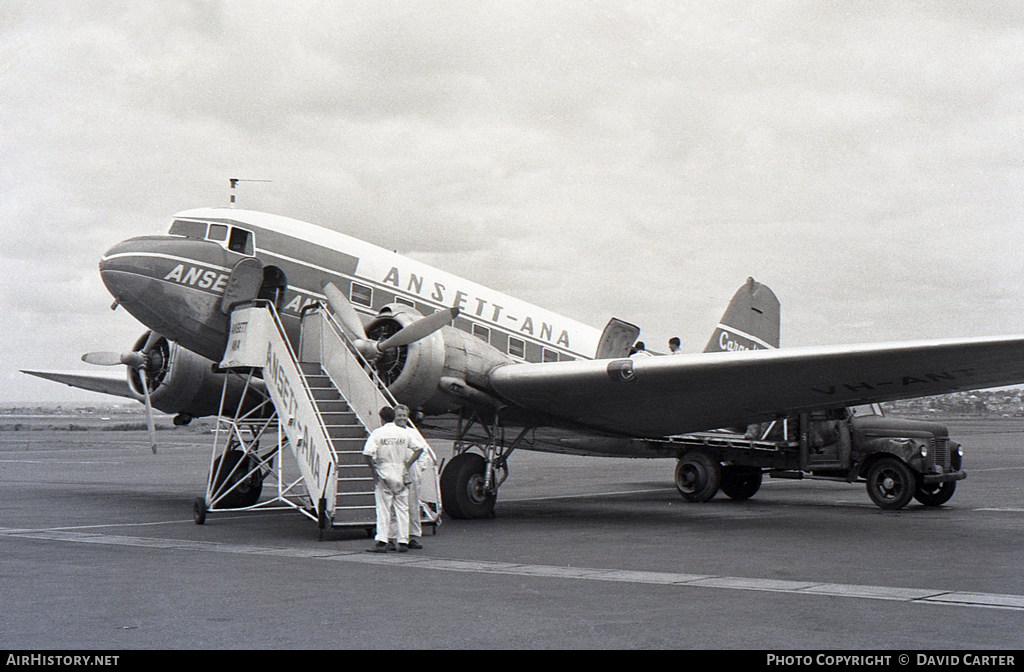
(370, 349)
(144, 361)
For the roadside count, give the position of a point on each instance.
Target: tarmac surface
(98, 551)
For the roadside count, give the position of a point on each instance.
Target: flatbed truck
(897, 459)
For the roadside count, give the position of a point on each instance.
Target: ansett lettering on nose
(198, 277)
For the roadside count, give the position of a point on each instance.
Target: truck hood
(875, 426)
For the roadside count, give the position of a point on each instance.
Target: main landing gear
(470, 480)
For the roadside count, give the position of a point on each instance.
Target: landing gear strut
(470, 480)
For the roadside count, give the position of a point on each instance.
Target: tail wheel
(741, 482)
(891, 484)
(243, 491)
(935, 494)
(462, 488)
(698, 477)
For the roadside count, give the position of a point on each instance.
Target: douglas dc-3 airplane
(566, 387)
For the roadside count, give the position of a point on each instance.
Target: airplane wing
(660, 396)
(111, 383)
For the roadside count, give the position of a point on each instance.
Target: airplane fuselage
(175, 283)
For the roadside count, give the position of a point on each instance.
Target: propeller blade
(151, 341)
(420, 329)
(150, 424)
(102, 358)
(344, 311)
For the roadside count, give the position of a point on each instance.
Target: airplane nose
(121, 268)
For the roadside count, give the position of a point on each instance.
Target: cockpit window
(184, 227)
(241, 241)
(218, 232)
(236, 239)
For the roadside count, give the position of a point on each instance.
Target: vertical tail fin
(751, 322)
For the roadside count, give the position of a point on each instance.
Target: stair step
(357, 432)
(349, 458)
(349, 499)
(325, 394)
(352, 486)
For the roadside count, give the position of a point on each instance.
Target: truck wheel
(698, 477)
(935, 494)
(891, 483)
(740, 482)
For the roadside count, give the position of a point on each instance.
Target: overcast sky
(599, 159)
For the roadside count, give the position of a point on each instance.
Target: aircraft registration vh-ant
(469, 359)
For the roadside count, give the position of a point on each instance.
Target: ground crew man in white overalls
(390, 451)
(426, 461)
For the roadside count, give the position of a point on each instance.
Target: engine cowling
(439, 373)
(182, 382)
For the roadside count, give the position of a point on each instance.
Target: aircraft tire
(890, 483)
(244, 494)
(741, 482)
(462, 494)
(698, 477)
(936, 494)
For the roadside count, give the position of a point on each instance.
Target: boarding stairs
(325, 402)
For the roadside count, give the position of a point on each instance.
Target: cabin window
(550, 355)
(361, 294)
(481, 332)
(405, 302)
(516, 347)
(218, 232)
(183, 227)
(240, 241)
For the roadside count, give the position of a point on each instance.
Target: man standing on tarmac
(389, 451)
(426, 461)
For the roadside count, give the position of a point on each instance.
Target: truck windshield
(865, 410)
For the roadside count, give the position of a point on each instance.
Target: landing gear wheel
(891, 484)
(243, 492)
(199, 510)
(741, 482)
(935, 494)
(698, 477)
(462, 488)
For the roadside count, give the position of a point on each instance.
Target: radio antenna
(234, 182)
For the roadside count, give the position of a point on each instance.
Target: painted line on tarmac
(894, 594)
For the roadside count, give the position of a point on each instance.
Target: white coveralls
(426, 461)
(390, 446)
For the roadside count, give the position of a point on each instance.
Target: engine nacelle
(439, 373)
(182, 382)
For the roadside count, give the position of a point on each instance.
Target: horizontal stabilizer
(114, 384)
